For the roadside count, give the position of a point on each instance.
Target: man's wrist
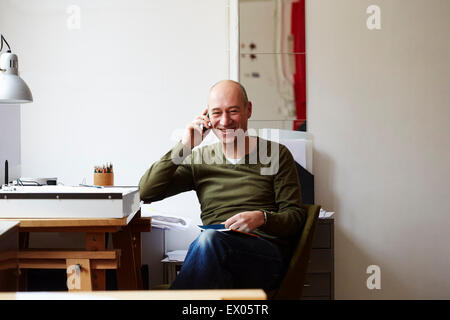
(265, 216)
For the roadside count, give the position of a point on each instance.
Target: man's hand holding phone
(197, 130)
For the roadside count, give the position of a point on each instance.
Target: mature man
(247, 183)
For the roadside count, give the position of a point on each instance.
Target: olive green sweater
(256, 182)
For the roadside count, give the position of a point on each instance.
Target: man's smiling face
(227, 111)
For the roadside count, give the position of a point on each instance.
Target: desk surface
(80, 222)
(232, 294)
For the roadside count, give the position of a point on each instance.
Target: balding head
(227, 87)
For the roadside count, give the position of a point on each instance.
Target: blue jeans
(225, 260)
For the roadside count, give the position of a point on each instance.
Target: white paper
(177, 255)
(164, 220)
(325, 214)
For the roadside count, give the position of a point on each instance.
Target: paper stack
(164, 220)
(176, 255)
(325, 214)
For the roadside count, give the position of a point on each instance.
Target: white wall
(378, 107)
(378, 110)
(115, 89)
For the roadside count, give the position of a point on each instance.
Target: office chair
(291, 287)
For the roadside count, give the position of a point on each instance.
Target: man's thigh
(252, 261)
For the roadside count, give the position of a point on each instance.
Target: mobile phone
(209, 123)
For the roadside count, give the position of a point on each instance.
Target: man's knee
(208, 237)
(206, 248)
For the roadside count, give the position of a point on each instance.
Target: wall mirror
(272, 61)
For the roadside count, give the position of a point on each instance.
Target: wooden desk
(95, 259)
(229, 294)
(9, 241)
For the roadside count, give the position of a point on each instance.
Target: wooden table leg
(95, 241)
(137, 247)
(172, 272)
(129, 272)
(81, 279)
(24, 242)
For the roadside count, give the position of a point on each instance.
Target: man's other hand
(246, 221)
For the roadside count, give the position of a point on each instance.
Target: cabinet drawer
(321, 260)
(322, 236)
(317, 285)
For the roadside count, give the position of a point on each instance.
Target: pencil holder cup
(104, 179)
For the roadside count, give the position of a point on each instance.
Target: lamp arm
(2, 39)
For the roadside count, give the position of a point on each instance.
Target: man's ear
(249, 110)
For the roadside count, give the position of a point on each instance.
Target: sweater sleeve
(290, 217)
(168, 176)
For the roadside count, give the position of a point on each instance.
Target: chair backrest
(291, 287)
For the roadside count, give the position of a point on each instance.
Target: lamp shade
(13, 90)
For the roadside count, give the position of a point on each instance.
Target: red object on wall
(298, 33)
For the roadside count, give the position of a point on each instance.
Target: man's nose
(225, 119)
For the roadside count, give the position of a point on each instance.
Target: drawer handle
(307, 285)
